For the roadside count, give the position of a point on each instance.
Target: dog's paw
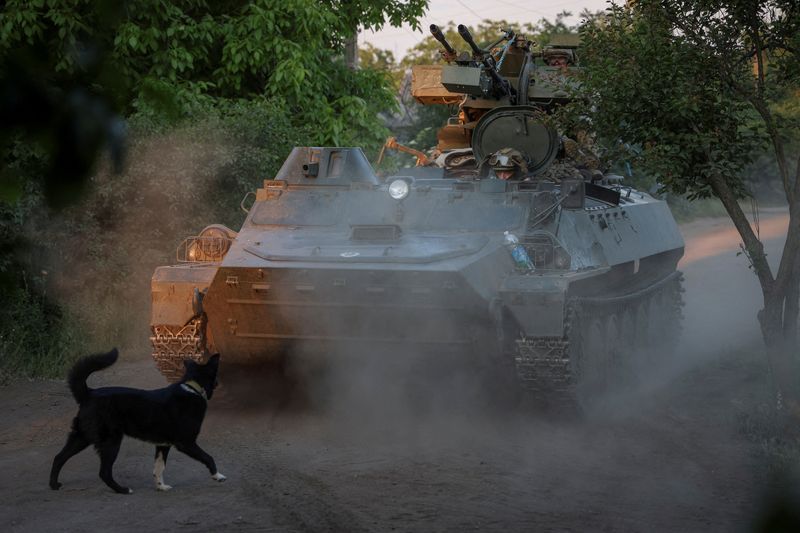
(55, 485)
(218, 477)
(163, 487)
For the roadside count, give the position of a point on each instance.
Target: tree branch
(777, 144)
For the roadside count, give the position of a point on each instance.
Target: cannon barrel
(467, 36)
(439, 36)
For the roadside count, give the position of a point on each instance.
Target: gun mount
(509, 73)
(450, 52)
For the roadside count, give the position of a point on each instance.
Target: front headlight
(399, 189)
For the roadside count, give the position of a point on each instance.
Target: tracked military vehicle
(499, 245)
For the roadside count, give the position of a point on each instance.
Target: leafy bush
(37, 337)
(101, 252)
(216, 95)
(773, 432)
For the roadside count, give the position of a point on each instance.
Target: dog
(167, 417)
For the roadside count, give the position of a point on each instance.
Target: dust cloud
(100, 254)
(386, 386)
(377, 438)
(448, 444)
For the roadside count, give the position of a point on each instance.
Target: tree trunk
(781, 349)
(792, 306)
(778, 318)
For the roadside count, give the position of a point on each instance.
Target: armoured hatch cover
(520, 128)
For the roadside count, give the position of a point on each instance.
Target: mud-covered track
(607, 341)
(172, 345)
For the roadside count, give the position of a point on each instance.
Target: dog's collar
(195, 388)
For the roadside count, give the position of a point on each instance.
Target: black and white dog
(167, 417)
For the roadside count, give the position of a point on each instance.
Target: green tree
(65, 60)
(373, 58)
(702, 87)
(254, 76)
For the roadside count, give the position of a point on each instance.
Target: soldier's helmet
(558, 56)
(508, 163)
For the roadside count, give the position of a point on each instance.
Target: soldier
(507, 164)
(558, 57)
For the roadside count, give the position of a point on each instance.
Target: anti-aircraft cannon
(562, 276)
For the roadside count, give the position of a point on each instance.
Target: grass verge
(38, 338)
(769, 425)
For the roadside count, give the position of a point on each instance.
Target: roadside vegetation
(703, 89)
(708, 92)
(127, 126)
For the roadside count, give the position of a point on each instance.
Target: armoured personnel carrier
(505, 243)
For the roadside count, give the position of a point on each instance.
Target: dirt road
(668, 457)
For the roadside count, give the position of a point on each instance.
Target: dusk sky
(441, 12)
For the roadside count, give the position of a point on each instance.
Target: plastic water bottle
(518, 253)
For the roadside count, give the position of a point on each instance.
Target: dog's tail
(83, 368)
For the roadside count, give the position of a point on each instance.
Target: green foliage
(657, 91)
(375, 59)
(703, 87)
(763, 176)
(101, 252)
(167, 60)
(288, 51)
(37, 336)
(675, 80)
(421, 132)
(685, 210)
(216, 94)
(374, 14)
(258, 136)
